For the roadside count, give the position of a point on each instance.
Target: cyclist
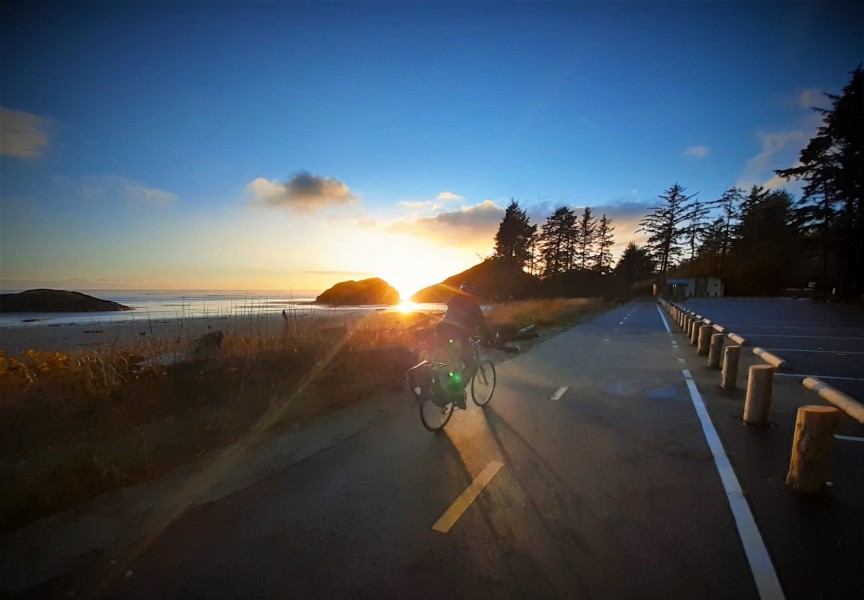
(462, 320)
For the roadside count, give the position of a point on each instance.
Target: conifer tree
(586, 239)
(605, 241)
(557, 242)
(515, 236)
(665, 226)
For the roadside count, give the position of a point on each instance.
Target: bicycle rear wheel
(433, 416)
(483, 383)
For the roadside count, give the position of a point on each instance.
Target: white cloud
(779, 149)
(697, 151)
(22, 135)
(303, 193)
(122, 189)
(463, 227)
(141, 195)
(449, 196)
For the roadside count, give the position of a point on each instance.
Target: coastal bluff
(363, 292)
(49, 301)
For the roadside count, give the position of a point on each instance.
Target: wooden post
(704, 339)
(694, 332)
(729, 378)
(757, 405)
(811, 447)
(715, 350)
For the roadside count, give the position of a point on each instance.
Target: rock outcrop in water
(50, 301)
(364, 292)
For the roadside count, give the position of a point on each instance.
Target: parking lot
(819, 340)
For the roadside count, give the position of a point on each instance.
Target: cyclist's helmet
(467, 288)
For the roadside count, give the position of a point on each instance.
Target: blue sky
(284, 145)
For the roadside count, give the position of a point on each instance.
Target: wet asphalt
(610, 491)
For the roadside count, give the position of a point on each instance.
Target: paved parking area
(815, 339)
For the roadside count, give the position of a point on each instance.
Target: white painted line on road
(681, 360)
(812, 337)
(558, 393)
(802, 375)
(663, 319)
(461, 504)
(839, 352)
(848, 438)
(754, 547)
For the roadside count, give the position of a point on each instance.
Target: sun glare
(406, 306)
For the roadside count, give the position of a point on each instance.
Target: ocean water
(167, 305)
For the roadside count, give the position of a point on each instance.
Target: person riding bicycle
(462, 320)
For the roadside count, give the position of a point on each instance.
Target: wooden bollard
(715, 350)
(729, 376)
(757, 405)
(811, 447)
(694, 332)
(704, 339)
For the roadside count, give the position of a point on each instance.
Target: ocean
(168, 305)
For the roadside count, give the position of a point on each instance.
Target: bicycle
(437, 385)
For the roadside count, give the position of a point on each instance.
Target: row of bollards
(814, 425)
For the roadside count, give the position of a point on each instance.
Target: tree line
(759, 241)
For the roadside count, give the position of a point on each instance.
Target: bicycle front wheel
(483, 383)
(434, 417)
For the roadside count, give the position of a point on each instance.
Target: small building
(698, 286)
(704, 286)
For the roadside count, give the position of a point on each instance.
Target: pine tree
(605, 241)
(515, 236)
(665, 227)
(635, 264)
(832, 165)
(729, 204)
(557, 242)
(586, 239)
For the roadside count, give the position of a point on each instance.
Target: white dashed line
(558, 393)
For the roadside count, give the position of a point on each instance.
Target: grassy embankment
(75, 425)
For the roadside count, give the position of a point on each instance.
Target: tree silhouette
(767, 241)
(557, 242)
(832, 165)
(665, 227)
(605, 241)
(636, 263)
(514, 237)
(586, 238)
(729, 204)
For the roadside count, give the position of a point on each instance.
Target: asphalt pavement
(607, 465)
(816, 339)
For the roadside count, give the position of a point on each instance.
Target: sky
(291, 145)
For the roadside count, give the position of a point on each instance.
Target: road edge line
(758, 558)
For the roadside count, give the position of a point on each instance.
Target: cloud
(303, 193)
(133, 193)
(140, 195)
(463, 227)
(22, 135)
(697, 151)
(812, 97)
(779, 149)
(449, 196)
(361, 274)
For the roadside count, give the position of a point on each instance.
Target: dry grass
(556, 312)
(77, 424)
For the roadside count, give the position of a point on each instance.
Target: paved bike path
(608, 491)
